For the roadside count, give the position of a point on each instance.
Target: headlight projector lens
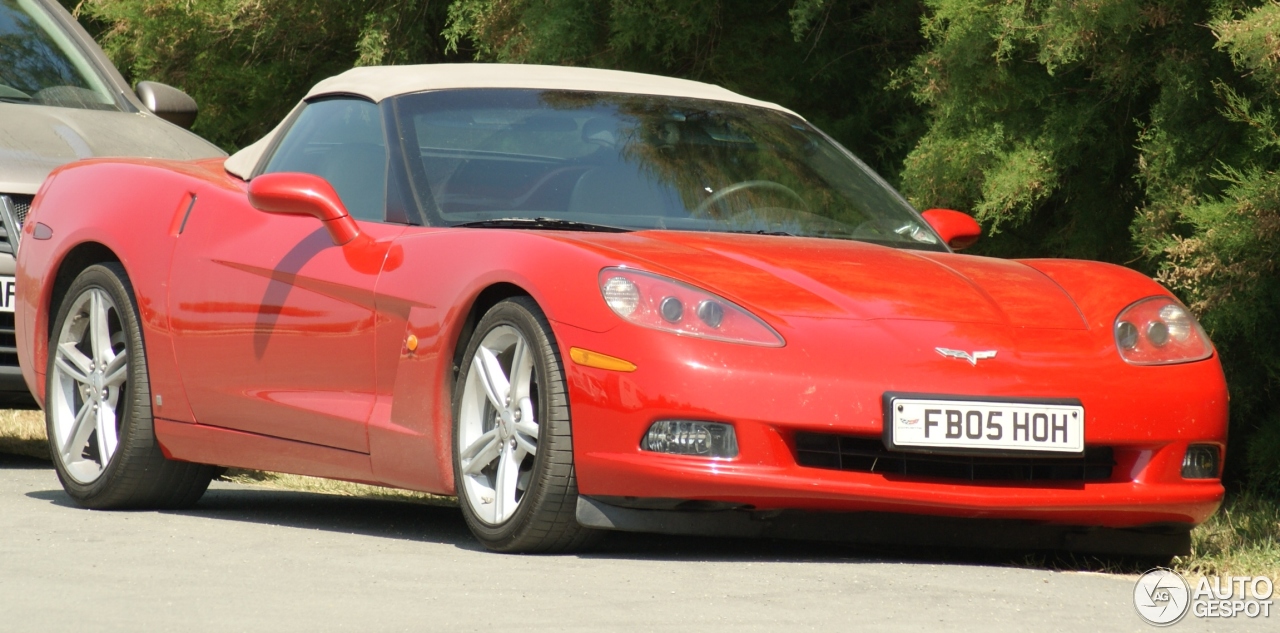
(1158, 333)
(1126, 335)
(672, 310)
(711, 313)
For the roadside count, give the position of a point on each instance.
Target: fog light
(1201, 462)
(683, 437)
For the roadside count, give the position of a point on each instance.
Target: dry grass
(1243, 539)
(22, 433)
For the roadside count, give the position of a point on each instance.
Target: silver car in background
(62, 100)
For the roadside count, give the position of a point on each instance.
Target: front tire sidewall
(552, 413)
(136, 429)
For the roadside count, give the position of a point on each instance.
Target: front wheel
(513, 447)
(98, 405)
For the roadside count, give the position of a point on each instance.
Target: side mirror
(168, 103)
(293, 193)
(957, 229)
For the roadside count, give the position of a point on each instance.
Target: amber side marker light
(588, 358)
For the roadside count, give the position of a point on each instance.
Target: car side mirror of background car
(957, 229)
(295, 193)
(168, 103)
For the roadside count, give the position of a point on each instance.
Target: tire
(533, 511)
(98, 404)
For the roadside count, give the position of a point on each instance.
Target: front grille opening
(8, 342)
(21, 206)
(861, 454)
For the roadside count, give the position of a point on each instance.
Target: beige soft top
(380, 82)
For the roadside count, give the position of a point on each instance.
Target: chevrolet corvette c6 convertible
(583, 299)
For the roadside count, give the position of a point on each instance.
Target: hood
(34, 140)
(826, 278)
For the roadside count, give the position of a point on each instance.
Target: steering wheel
(744, 185)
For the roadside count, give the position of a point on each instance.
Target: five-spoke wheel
(513, 451)
(89, 374)
(98, 407)
(497, 425)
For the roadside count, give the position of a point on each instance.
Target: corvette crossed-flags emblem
(963, 355)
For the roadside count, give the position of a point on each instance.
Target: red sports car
(583, 299)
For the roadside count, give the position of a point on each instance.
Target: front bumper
(13, 388)
(914, 531)
(1146, 415)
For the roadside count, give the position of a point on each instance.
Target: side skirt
(224, 447)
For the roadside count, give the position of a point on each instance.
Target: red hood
(808, 277)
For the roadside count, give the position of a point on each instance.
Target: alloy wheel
(498, 428)
(89, 386)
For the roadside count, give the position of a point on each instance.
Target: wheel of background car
(742, 186)
(98, 408)
(513, 449)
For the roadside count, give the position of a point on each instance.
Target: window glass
(340, 140)
(644, 161)
(40, 65)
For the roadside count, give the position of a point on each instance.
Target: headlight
(665, 304)
(1159, 331)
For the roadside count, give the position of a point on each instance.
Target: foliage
(832, 62)
(246, 62)
(1242, 539)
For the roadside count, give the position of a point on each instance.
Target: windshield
(642, 162)
(40, 65)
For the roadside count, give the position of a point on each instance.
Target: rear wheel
(98, 405)
(513, 447)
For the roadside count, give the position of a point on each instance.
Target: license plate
(983, 426)
(6, 294)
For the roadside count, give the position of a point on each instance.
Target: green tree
(832, 62)
(246, 62)
(1212, 221)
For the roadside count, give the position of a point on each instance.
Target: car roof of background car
(380, 82)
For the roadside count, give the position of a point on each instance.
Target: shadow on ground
(23, 462)
(403, 520)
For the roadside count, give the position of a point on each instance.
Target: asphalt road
(255, 559)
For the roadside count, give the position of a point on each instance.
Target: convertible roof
(380, 82)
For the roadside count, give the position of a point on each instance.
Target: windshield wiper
(763, 232)
(541, 223)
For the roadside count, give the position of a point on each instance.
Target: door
(273, 325)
